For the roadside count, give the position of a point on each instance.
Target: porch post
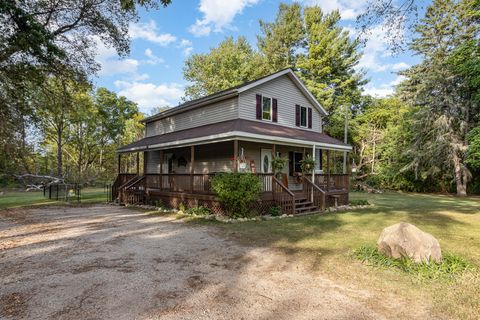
(313, 171)
(328, 170)
(192, 164)
(119, 161)
(145, 162)
(235, 155)
(161, 170)
(138, 163)
(274, 150)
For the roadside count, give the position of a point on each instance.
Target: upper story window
(303, 116)
(266, 108)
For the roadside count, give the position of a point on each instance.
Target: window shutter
(297, 115)
(310, 118)
(274, 110)
(259, 107)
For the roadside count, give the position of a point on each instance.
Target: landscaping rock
(406, 240)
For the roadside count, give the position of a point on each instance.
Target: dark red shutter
(274, 110)
(259, 107)
(297, 115)
(310, 118)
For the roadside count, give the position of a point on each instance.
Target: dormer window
(266, 108)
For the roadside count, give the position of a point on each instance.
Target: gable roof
(235, 91)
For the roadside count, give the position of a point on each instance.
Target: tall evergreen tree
(446, 110)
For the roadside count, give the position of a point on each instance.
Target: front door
(266, 160)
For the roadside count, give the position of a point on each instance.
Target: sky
(151, 75)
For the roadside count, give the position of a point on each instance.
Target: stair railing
(283, 196)
(316, 194)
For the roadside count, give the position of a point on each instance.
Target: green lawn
(327, 241)
(18, 199)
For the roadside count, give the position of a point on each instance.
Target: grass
(327, 242)
(19, 199)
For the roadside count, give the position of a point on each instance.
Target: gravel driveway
(108, 262)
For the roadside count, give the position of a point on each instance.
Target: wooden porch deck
(195, 190)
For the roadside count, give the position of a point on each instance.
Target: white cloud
(110, 64)
(152, 58)
(186, 46)
(349, 9)
(149, 31)
(217, 15)
(400, 66)
(149, 95)
(385, 89)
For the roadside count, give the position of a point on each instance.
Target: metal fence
(63, 192)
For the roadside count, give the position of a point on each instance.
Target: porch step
(304, 205)
(306, 209)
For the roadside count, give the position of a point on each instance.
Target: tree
(281, 38)
(446, 111)
(229, 64)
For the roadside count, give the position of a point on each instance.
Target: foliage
(237, 191)
(278, 163)
(473, 154)
(307, 164)
(275, 211)
(446, 111)
(230, 64)
(199, 211)
(359, 202)
(450, 268)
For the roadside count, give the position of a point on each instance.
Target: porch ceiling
(237, 129)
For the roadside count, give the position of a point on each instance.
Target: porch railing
(134, 191)
(193, 183)
(330, 182)
(283, 196)
(316, 195)
(122, 179)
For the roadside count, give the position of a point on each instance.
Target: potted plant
(307, 165)
(278, 163)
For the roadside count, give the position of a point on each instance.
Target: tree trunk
(460, 177)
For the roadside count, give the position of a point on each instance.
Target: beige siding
(216, 112)
(287, 95)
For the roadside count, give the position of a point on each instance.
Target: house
(237, 130)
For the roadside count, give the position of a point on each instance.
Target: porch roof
(236, 129)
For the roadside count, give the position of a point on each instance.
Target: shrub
(450, 267)
(237, 191)
(359, 202)
(275, 211)
(182, 207)
(199, 211)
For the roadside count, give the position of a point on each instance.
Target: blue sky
(162, 39)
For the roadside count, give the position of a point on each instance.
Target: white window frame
(306, 117)
(271, 108)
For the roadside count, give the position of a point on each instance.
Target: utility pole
(345, 140)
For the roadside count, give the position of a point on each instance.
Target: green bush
(275, 211)
(359, 202)
(199, 211)
(237, 191)
(450, 267)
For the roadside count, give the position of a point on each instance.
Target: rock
(406, 240)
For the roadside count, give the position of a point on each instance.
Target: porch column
(313, 157)
(138, 163)
(235, 155)
(145, 162)
(328, 170)
(119, 161)
(192, 164)
(161, 170)
(274, 150)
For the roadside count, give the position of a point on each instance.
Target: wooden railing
(314, 193)
(193, 183)
(134, 191)
(121, 180)
(329, 182)
(283, 197)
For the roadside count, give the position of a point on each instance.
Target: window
(303, 117)
(266, 108)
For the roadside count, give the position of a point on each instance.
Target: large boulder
(406, 240)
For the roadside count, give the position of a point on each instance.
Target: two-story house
(238, 130)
